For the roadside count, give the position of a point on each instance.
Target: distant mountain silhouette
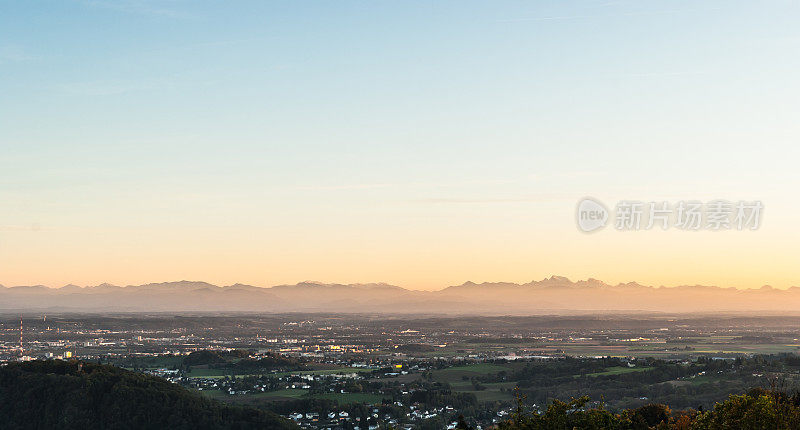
(550, 295)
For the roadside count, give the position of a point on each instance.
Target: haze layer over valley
(552, 295)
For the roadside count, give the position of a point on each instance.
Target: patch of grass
(456, 374)
(492, 395)
(492, 392)
(206, 373)
(217, 373)
(342, 370)
(617, 371)
(289, 393)
(213, 393)
(344, 398)
(336, 371)
(294, 394)
(297, 393)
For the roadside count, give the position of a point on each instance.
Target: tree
(462, 423)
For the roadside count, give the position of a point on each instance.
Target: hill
(239, 359)
(76, 395)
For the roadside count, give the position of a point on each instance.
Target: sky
(417, 143)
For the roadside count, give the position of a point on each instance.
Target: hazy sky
(418, 143)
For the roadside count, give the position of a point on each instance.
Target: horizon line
(352, 284)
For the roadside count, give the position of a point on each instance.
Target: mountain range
(549, 296)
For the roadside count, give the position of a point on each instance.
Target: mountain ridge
(556, 294)
(555, 281)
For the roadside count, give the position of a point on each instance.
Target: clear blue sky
(420, 143)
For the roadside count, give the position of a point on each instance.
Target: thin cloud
(369, 186)
(464, 183)
(138, 7)
(344, 187)
(527, 199)
(545, 18)
(663, 74)
(109, 87)
(30, 227)
(10, 53)
(612, 15)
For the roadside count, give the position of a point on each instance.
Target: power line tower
(21, 350)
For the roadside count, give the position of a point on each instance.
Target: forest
(756, 410)
(88, 396)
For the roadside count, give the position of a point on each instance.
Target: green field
(344, 398)
(617, 371)
(168, 361)
(707, 345)
(219, 373)
(338, 370)
(457, 373)
(492, 395)
(289, 393)
(492, 392)
(207, 373)
(213, 393)
(455, 377)
(296, 393)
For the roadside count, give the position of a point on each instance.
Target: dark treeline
(86, 396)
(757, 410)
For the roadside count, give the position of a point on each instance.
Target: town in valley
(362, 371)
